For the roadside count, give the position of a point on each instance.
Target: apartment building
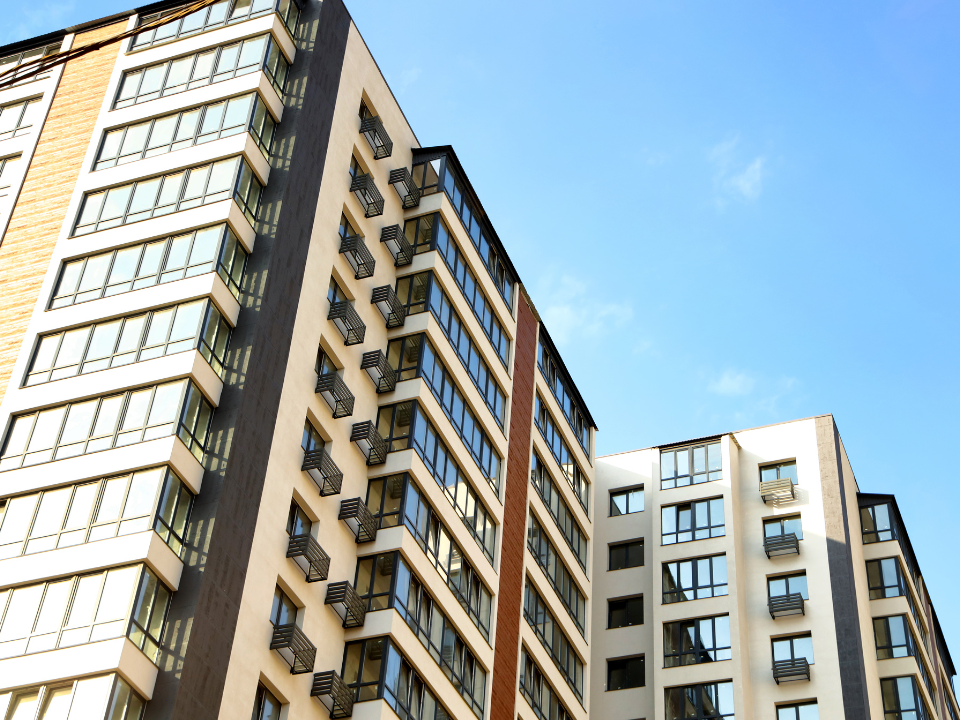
(746, 575)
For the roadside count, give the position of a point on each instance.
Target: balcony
(373, 447)
(406, 188)
(785, 605)
(781, 545)
(333, 694)
(324, 471)
(346, 603)
(367, 194)
(344, 316)
(356, 515)
(778, 491)
(354, 249)
(336, 394)
(293, 646)
(306, 552)
(384, 377)
(389, 306)
(381, 144)
(791, 670)
(398, 245)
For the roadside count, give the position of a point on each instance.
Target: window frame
(629, 492)
(628, 664)
(638, 599)
(679, 630)
(629, 548)
(694, 578)
(693, 508)
(709, 474)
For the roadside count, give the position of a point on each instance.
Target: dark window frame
(629, 548)
(628, 493)
(711, 529)
(628, 666)
(630, 605)
(704, 647)
(694, 574)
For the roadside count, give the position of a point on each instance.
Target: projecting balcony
(333, 694)
(346, 603)
(292, 645)
(354, 249)
(781, 545)
(379, 370)
(324, 472)
(389, 306)
(373, 447)
(791, 670)
(785, 605)
(779, 491)
(406, 188)
(398, 245)
(336, 394)
(381, 144)
(357, 517)
(306, 552)
(368, 195)
(344, 316)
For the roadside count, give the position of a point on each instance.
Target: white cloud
(573, 311)
(407, 78)
(733, 179)
(732, 383)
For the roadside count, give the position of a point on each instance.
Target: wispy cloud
(753, 395)
(572, 310)
(735, 178)
(407, 78)
(732, 383)
(31, 20)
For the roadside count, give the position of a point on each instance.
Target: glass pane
(117, 593)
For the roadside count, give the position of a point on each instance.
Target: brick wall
(38, 216)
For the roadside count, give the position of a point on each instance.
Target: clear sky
(728, 214)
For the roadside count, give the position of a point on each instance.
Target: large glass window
(803, 711)
(793, 648)
(104, 697)
(561, 453)
(693, 579)
(554, 372)
(539, 617)
(626, 555)
(204, 68)
(175, 408)
(710, 701)
(775, 527)
(902, 699)
(538, 693)
(18, 118)
(213, 16)
(692, 521)
(625, 673)
(210, 249)
(690, 466)
(247, 113)
(557, 573)
(196, 325)
(788, 585)
(559, 510)
(625, 612)
(626, 502)
(780, 471)
(77, 610)
(112, 507)
(691, 642)
(876, 522)
(182, 190)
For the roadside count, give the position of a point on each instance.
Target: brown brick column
(39, 213)
(514, 531)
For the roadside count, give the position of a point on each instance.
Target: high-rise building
(283, 434)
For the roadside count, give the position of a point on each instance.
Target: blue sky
(728, 214)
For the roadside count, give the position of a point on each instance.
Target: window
(885, 579)
(177, 191)
(194, 325)
(102, 423)
(626, 502)
(779, 471)
(413, 292)
(212, 249)
(902, 699)
(562, 387)
(188, 128)
(265, 706)
(421, 232)
(776, 527)
(103, 697)
(403, 355)
(11, 61)
(298, 523)
(692, 521)
(561, 452)
(876, 522)
(325, 364)
(335, 293)
(8, 168)
(355, 168)
(113, 507)
(221, 13)
(690, 466)
(788, 585)
(626, 555)
(691, 642)
(625, 612)
(625, 673)
(203, 68)
(556, 572)
(804, 711)
(311, 439)
(893, 636)
(552, 637)
(711, 701)
(18, 119)
(538, 693)
(284, 610)
(793, 649)
(559, 510)
(694, 579)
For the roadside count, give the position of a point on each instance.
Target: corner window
(626, 502)
(902, 699)
(625, 612)
(779, 471)
(694, 579)
(776, 527)
(626, 555)
(690, 466)
(876, 522)
(804, 711)
(625, 673)
(691, 642)
(692, 521)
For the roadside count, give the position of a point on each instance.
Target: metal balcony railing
(383, 375)
(790, 670)
(778, 491)
(355, 513)
(336, 394)
(346, 603)
(381, 144)
(324, 472)
(781, 545)
(367, 194)
(366, 437)
(398, 245)
(355, 250)
(389, 306)
(406, 188)
(333, 694)
(344, 315)
(306, 552)
(784, 605)
(294, 647)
